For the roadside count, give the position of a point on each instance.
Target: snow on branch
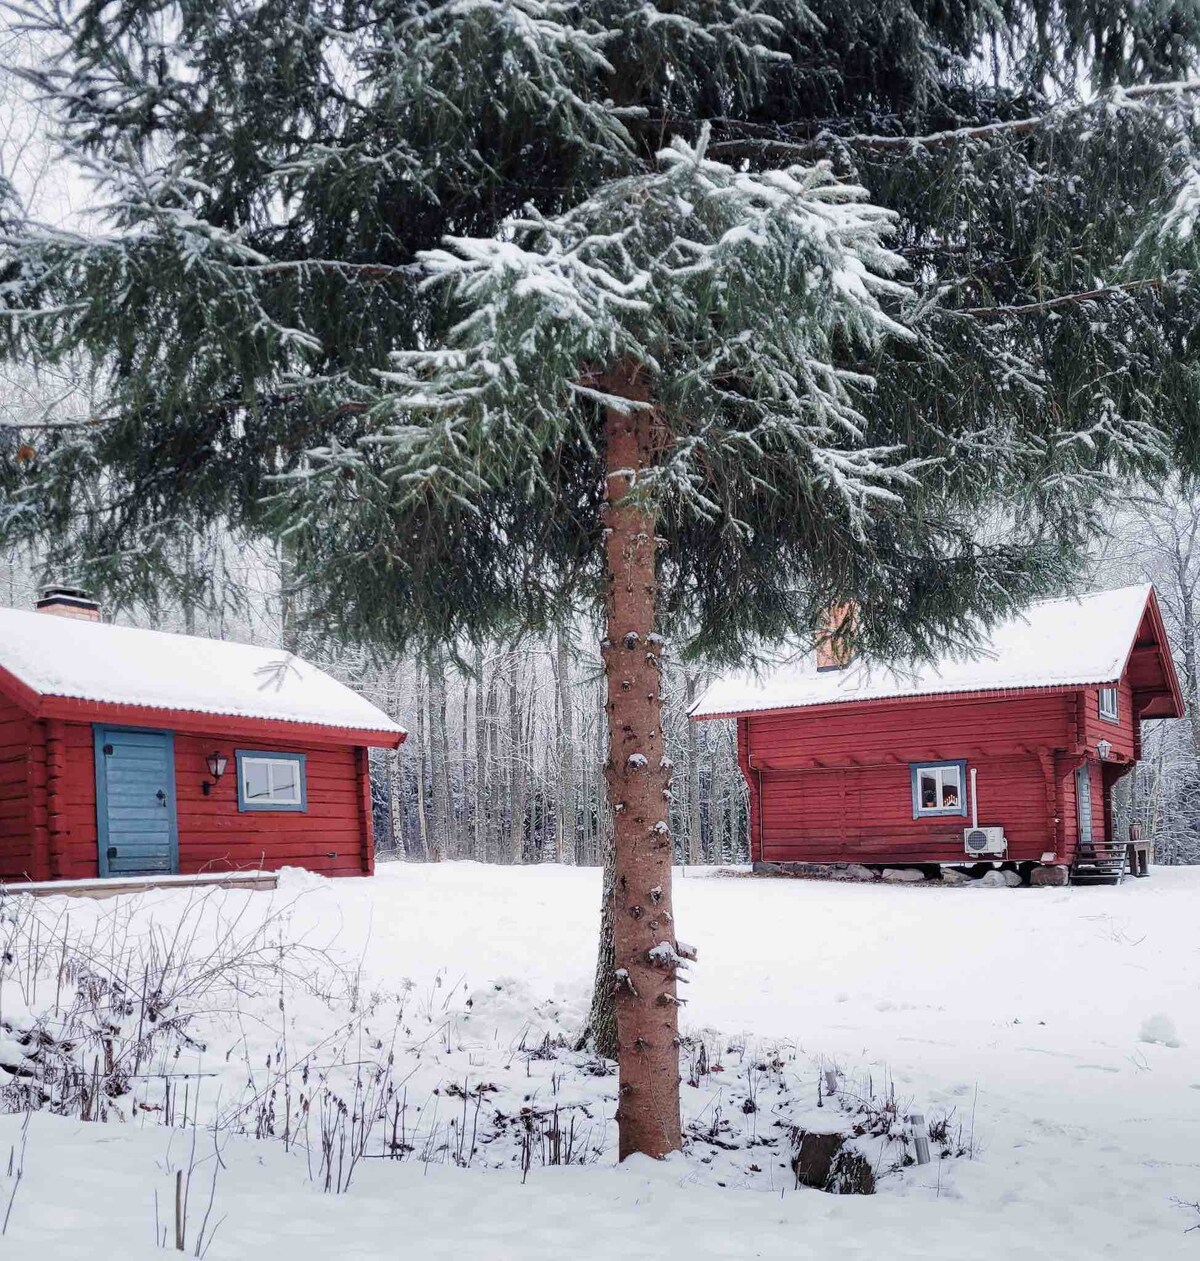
(735, 291)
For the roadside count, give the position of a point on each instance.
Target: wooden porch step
(114, 885)
(1102, 862)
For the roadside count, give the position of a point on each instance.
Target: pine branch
(824, 142)
(205, 409)
(1062, 300)
(50, 426)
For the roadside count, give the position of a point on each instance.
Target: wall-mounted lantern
(1104, 748)
(217, 762)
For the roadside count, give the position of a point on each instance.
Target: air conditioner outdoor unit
(984, 841)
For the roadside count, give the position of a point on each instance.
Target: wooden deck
(113, 886)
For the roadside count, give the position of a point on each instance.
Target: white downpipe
(974, 799)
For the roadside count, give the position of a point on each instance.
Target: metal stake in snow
(920, 1137)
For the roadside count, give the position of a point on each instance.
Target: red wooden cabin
(1019, 744)
(134, 752)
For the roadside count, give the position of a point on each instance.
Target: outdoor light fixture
(217, 762)
(1104, 748)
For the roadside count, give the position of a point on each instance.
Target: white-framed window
(1108, 704)
(271, 781)
(938, 788)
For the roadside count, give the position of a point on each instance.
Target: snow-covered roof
(1054, 643)
(122, 665)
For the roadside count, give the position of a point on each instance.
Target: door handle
(162, 796)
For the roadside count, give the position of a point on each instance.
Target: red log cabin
(127, 752)
(1009, 754)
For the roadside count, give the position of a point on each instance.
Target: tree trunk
(566, 762)
(601, 1030)
(694, 853)
(479, 846)
(516, 773)
(189, 587)
(1191, 664)
(494, 772)
(393, 795)
(289, 618)
(422, 743)
(463, 830)
(438, 753)
(585, 849)
(645, 949)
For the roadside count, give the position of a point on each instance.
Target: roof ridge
(1087, 595)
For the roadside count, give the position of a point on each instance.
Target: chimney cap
(67, 598)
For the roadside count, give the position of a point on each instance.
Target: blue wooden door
(135, 802)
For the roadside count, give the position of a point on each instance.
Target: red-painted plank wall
(1119, 734)
(949, 727)
(865, 814)
(856, 806)
(20, 782)
(332, 837)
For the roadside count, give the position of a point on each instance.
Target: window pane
(285, 782)
(951, 788)
(256, 785)
(929, 790)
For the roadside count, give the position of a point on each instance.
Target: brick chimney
(68, 602)
(834, 648)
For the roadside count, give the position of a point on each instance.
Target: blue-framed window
(271, 781)
(938, 788)
(1109, 704)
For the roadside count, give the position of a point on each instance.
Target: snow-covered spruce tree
(265, 175)
(677, 335)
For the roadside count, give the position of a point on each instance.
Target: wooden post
(363, 761)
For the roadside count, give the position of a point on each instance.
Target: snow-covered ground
(1038, 1021)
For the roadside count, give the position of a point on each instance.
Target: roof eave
(203, 722)
(1025, 689)
(1164, 652)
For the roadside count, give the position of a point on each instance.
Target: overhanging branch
(827, 141)
(1061, 300)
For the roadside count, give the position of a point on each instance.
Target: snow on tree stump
(825, 1163)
